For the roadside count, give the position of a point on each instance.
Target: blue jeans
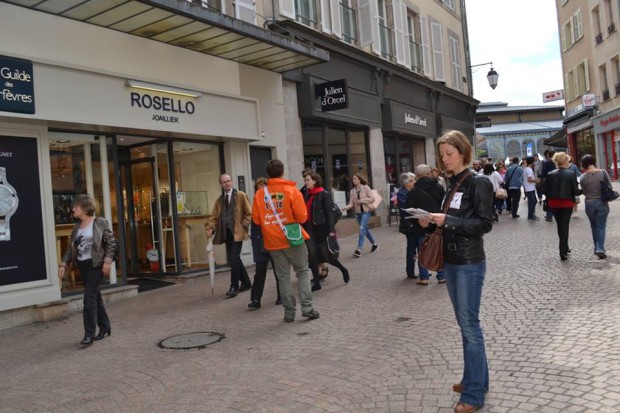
(597, 212)
(412, 243)
(362, 220)
(531, 204)
(465, 290)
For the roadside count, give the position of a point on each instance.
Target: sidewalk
(382, 344)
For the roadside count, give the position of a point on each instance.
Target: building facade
(399, 67)
(142, 104)
(504, 131)
(590, 46)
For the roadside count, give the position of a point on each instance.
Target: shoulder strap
(273, 208)
(453, 191)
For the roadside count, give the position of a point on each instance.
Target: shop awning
(190, 26)
(557, 139)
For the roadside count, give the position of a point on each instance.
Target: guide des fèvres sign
(332, 95)
(16, 85)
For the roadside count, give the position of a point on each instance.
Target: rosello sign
(16, 85)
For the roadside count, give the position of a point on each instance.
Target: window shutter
(568, 94)
(455, 57)
(406, 34)
(369, 24)
(563, 39)
(245, 10)
(398, 31)
(287, 8)
(426, 50)
(438, 63)
(326, 18)
(336, 22)
(577, 22)
(586, 75)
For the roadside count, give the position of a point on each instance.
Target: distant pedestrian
(323, 269)
(230, 221)
(360, 197)
(529, 187)
(437, 175)
(496, 181)
(597, 210)
(406, 226)
(427, 194)
(320, 226)
(91, 250)
(261, 258)
(547, 166)
(560, 189)
(290, 209)
(477, 167)
(514, 180)
(538, 174)
(469, 217)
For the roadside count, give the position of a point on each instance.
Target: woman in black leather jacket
(469, 217)
(92, 250)
(561, 188)
(320, 225)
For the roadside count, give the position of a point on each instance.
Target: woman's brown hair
(362, 180)
(459, 141)
(316, 178)
(86, 204)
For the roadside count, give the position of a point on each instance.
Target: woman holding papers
(469, 216)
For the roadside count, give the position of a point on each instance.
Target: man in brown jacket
(230, 220)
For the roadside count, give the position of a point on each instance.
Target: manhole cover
(191, 340)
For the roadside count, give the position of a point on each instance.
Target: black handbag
(607, 192)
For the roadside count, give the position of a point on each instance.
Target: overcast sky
(521, 39)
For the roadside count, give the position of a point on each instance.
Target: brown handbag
(431, 252)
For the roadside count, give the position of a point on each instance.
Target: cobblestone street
(382, 344)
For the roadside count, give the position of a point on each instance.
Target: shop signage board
(16, 85)
(553, 96)
(22, 249)
(408, 119)
(332, 95)
(607, 122)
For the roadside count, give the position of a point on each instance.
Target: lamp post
(492, 76)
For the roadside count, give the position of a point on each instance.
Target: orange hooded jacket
(290, 206)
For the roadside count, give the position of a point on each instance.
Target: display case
(192, 203)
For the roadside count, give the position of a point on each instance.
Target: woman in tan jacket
(360, 198)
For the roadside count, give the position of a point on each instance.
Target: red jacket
(290, 206)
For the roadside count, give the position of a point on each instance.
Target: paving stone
(382, 344)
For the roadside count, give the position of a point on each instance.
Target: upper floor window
(572, 31)
(305, 12)
(455, 59)
(451, 4)
(577, 81)
(348, 21)
(215, 5)
(616, 74)
(564, 2)
(415, 48)
(597, 27)
(602, 73)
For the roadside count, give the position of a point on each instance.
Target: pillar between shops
(377, 162)
(293, 159)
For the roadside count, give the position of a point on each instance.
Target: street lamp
(492, 76)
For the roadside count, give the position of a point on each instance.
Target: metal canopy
(190, 26)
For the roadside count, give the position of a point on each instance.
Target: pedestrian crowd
(459, 200)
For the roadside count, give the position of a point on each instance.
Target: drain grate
(191, 340)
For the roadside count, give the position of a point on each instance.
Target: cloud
(521, 39)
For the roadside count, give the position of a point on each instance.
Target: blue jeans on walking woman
(597, 212)
(465, 290)
(362, 220)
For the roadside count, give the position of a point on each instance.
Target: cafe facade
(139, 120)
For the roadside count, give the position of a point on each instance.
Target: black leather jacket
(321, 211)
(468, 220)
(561, 184)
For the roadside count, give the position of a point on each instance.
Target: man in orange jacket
(290, 207)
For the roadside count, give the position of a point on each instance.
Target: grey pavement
(382, 344)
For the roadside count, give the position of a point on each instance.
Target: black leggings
(317, 253)
(259, 280)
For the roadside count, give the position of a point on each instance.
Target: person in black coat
(427, 194)
(320, 225)
(262, 258)
(560, 189)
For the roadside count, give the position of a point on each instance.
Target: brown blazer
(243, 217)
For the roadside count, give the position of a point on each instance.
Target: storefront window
(77, 168)
(389, 149)
(335, 154)
(584, 141)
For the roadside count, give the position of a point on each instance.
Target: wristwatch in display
(8, 205)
